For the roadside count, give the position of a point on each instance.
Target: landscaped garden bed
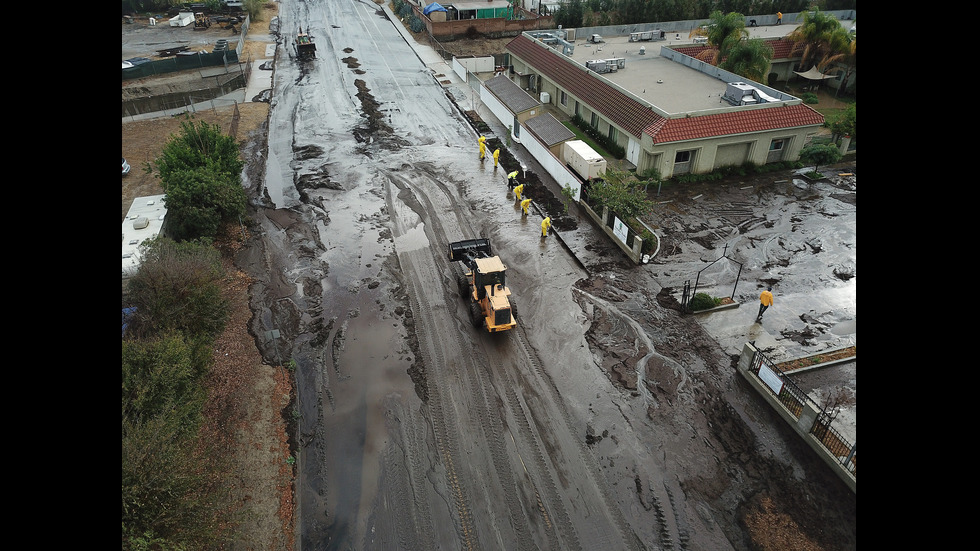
(848, 353)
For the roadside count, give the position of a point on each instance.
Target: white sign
(620, 229)
(770, 378)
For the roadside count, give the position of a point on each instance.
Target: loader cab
(489, 272)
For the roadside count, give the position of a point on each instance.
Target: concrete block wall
(802, 425)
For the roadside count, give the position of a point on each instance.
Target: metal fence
(189, 60)
(794, 399)
(213, 91)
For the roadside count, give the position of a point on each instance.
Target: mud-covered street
(605, 420)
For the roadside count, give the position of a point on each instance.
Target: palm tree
(750, 59)
(723, 32)
(730, 48)
(813, 38)
(841, 52)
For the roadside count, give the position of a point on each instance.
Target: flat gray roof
(668, 85)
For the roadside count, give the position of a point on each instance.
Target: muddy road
(603, 421)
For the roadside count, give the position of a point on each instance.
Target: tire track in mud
(475, 374)
(437, 366)
(412, 523)
(591, 540)
(539, 484)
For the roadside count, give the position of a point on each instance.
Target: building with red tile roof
(668, 111)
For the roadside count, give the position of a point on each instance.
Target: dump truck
(305, 48)
(483, 285)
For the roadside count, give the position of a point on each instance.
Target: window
(682, 157)
(776, 145)
(613, 134)
(563, 98)
(595, 120)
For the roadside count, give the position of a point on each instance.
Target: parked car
(125, 166)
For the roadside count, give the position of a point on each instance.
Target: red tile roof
(624, 111)
(738, 122)
(637, 118)
(781, 48)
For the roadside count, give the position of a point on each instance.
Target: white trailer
(583, 159)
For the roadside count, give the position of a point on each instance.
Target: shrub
(592, 132)
(810, 98)
(649, 241)
(177, 286)
(200, 172)
(703, 301)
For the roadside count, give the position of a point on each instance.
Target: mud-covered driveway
(604, 421)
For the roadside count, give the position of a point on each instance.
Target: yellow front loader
(485, 285)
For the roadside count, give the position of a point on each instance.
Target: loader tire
(464, 287)
(476, 315)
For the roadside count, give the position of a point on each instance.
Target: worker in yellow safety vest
(512, 179)
(524, 205)
(545, 226)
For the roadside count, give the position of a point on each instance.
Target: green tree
(841, 52)
(570, 14)
(164, 376)
(200, 145)
(620, 192)
(567, 195)
(749, 58)
(175, 489)
(200, 172)
(174, 485)
(200, 200)
(177, 286)
(814, 37)
(724, 32)
(844, 123)
(820, 154)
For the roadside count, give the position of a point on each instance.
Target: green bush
(592, 132)
(649, 241)
(747, 169)
(200, 171)
(810, 98)
(703, 301)
(177, 287)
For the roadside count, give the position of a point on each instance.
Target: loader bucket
(458, 250)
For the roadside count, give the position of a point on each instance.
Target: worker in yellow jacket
(545, 225)
(512, 179)
(524, 205)
(765, 300)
